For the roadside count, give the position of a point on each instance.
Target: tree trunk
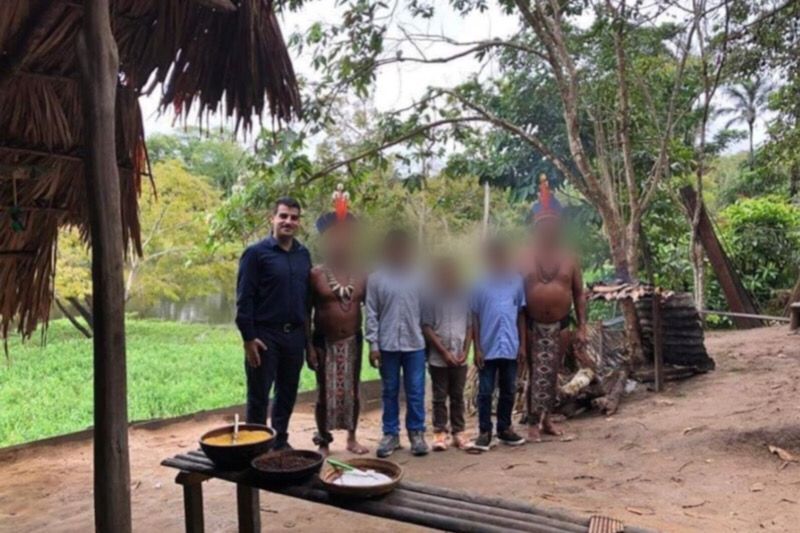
(486, 201)
(97, 54)
(750, 127)
(620, 256)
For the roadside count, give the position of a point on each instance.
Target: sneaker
(418, 444)
(387, 445)
(439, 441)
(510, 438)
(459, 441)
(483, 442)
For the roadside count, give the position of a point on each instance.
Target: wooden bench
(794, 316)
(428, 506)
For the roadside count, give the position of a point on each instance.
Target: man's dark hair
(495, 246)
(288, 201)
(397, 237)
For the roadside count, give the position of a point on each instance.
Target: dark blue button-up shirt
(272, 286)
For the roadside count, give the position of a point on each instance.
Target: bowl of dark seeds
(288, 466)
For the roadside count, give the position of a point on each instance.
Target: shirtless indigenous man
(337, 294)
(553, 285)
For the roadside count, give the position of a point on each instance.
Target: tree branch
(388, 144)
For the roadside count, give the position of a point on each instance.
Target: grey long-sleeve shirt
(394, 310)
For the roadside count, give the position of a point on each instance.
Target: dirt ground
(694, 458)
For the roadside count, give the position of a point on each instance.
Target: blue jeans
(413, 366)
(505, 372)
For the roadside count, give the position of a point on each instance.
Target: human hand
(479, 359)
(460, 358)
(375, 358)
(252, 352)
(312, 357)
(580, 336)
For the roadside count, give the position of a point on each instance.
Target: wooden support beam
(736, 295)
(658, 343)
(99, 65)
(40, 153)
(192, 500)
(33, 209)
(247, 509)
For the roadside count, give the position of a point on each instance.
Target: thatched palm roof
(210, 56)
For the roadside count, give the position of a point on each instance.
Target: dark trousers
(504, 371)
(448, 383)
(281, 364)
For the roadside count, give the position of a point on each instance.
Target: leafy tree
(762, 235)
(176, 264)
(749, 98)
(215, 155)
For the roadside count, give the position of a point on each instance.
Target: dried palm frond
(204, 58)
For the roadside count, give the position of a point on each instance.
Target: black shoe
(510, 438)
(281, 444)
(418, 444)
(483, 442)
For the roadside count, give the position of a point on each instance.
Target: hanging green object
(17, 225)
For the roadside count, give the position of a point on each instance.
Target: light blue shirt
(497, 301)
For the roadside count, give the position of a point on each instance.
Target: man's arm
(580, 316)
(311, 353)
(246, 291)
(476, 339)
(372, 323)
(523, 336)
(432, 338)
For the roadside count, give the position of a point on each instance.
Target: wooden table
(427, 506)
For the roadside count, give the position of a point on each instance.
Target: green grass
(173, 369)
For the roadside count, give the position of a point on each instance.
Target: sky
(399, 84)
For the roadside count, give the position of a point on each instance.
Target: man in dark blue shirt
(271, 314)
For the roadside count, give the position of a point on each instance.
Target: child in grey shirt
(446, 326)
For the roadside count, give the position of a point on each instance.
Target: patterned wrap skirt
(544, 353)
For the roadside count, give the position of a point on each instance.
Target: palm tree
(748, 99)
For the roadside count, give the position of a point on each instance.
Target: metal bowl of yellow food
(229, 454)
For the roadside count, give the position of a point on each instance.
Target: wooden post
(97, 55)
(658, 343)
(192, 500)
(794, 319)
(248, 509)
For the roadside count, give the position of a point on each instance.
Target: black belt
(286, 327)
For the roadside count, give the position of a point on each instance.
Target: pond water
(213, 309)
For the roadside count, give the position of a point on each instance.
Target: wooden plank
(744, 315)
(99, 66)
(192, 500)
(658, 344)
(736, 295)
(427, 506)
(247, 509)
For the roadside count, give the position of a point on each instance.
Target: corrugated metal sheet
(604, 524)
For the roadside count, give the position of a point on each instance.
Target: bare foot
(533, 433)
(549, 429)
(353, 446)
(324, 451)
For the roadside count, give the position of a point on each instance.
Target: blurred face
(498, 259)
(447, 275)
(285, 221)
(398, 253)
(547, 232)
(338, 242)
